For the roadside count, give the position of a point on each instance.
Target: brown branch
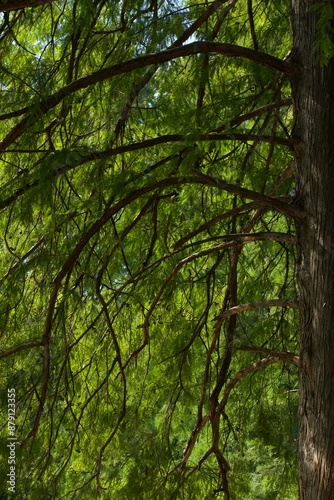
(67, 269)
(256, 305)
(118, 358)
(123, 115)
(200, 462)
(239, 240)
(288, 172)
(251, 24)
(139, 63)
(13, 114)
(276, 358)
(8, 5)
(289, 357)
(45, 383)
(150, 73)
(148, 143)
(277, 204)
(192, 441)
(252, 114)
(246, 207)
(235, 211)
(23, 258)
(282, 238)
(20, 348)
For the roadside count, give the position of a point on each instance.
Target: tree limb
(141, 62)
(291, 211)
(289, 357)
(20, 348)
(8, 5)
(277, 358)
(257, 305)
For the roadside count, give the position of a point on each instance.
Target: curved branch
(141, 62)
(246, 207)
(283, 357)
(20, 348)
(151, 71)
(23, 258)
(21, 4)
(78, 158)
(236, 211)
(252, 114)
(282, 238)
(277, 204)
(239, 240)
(67, 269)
(289, 357)
(257, 305)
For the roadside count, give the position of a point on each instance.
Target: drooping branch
(190, 49)
(277, 358)
(246, 207)
(240, 240)
(77, 158)
(66, 270)
(19, 348)
(203, 18)
(236, 211)
(23, 258)
(254, 113)
(118, 357)
(252, 24)
(6, 6)
(277, 204)
(170, 138)
(289, 357)
(257, 305)
(81, 335)
(282, 238)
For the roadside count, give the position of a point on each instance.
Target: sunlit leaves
(118, 254)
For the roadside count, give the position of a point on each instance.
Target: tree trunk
(313, 91)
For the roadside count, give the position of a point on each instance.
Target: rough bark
(313, 92)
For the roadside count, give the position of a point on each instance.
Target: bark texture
(313, 91)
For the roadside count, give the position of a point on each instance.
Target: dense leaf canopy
(148, 306)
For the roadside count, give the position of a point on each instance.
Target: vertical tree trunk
(313, 91)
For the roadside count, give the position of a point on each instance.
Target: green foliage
(121, 245)
(324, 46)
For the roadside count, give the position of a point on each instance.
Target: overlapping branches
(50, 102)
(167, 248)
